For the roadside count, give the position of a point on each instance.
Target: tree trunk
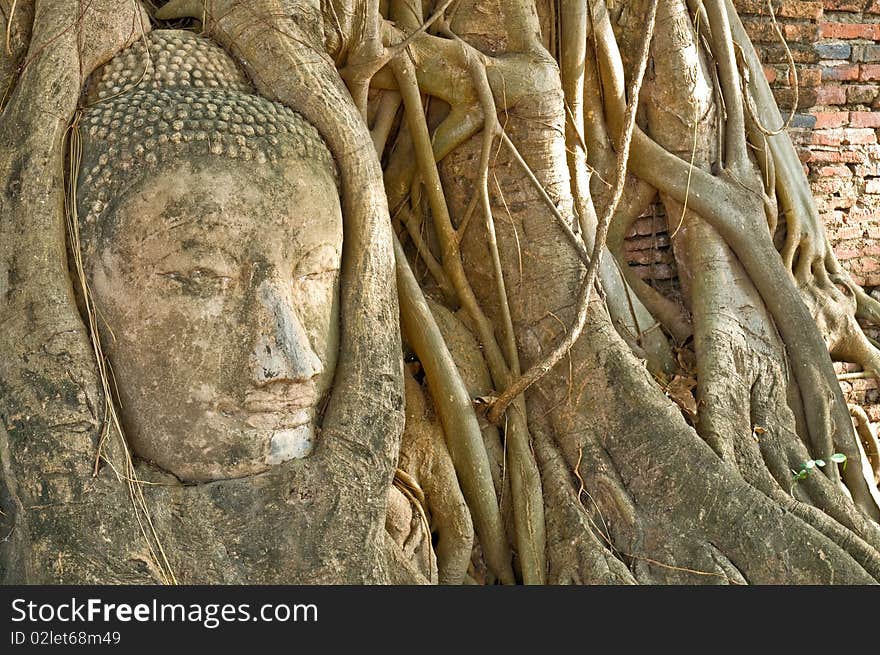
(480, 136)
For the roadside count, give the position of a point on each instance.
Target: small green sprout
(810, 464)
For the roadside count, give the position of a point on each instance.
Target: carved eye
(314, 276)
(199, 279)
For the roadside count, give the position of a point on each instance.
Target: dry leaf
(679, 390)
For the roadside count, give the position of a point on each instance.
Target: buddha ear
(182, 9)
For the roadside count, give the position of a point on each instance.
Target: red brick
(864, 119)
(869, 72)
(837, 156)
(828, 137)
(770, 74)
(800, 32)
(843, 5)
(869, 31)
(847, 232)
(825, 119)
(867, 265)
(831, 94)
(844, 254)
(808, 77)
(842, 73)
(828, 185)
(808, 10)
(760, 30)
(833, 171)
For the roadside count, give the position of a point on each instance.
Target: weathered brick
(860, 215)
(828, 185)
(833, 171)
(842, 73)
(844, 254)
(861, 94)
(648, 242)
(831, 94)
(646, 226)
(802, 9)
(800, 32)
(833, 50)
(803, 121)
(836, 156)
(869, 72)
(832, 137)
(843, 5)
(790, 9)
(859, 136)
(848, 232)
(866, 53)
(867, 264)
(825, 119)
(802, 53)
(872, 186)
(807, 76)
(869, 31)
(785, 97)
(864, 119)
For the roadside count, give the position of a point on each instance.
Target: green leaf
(840, 458)
(810, 464)
(820, 462)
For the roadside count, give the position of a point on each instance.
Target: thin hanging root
(525, 479)
(490, 130)
(463, 436)
(409, 487)
(111, 419)
(9, 27)
(792, 80)
(539, 370)
(735, 153)
(412, 224)
(384, 121)
(576, 242)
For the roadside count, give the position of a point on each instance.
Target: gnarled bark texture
(494, 132)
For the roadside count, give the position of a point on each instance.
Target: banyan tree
(296, 291)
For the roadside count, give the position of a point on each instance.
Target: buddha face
(216, 283)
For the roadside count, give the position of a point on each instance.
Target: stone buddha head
(211, 235)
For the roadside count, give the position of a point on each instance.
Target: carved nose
(282, 351)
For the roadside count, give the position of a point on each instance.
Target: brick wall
(836, 47)
(836, 44)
